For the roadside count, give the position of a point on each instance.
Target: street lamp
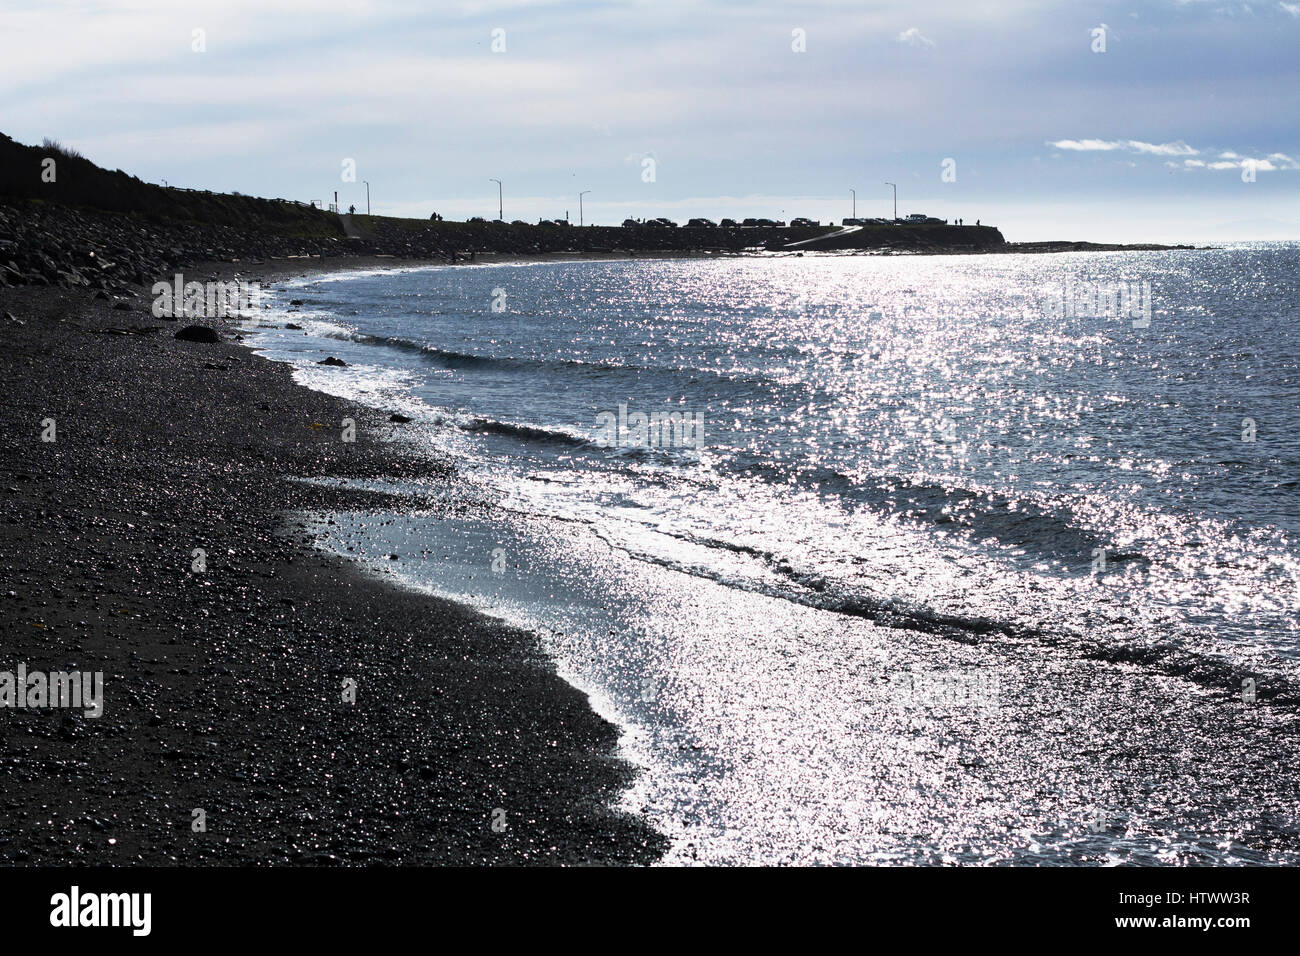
(580, 195)
(367, 182)
(895, 201)
(855, 203)
(500, 213)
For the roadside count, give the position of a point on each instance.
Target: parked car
(917, 217)
(802, 221)
(728, 224)
(750, 222)
(852, 222)
(518, 222)
(630, 223)
(476, 219)
(701, 223)
(666, 223)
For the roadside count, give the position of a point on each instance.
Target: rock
(122, 307)
(198, 333)
(296, 328)
(400, 419)
(295, 301)
(101, 294)
(333, 361)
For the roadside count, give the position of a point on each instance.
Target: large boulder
(198, 333)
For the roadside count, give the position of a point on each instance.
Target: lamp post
(580, 195)
(855, 203)
(895, 200)
(367, 182)
(500, 207)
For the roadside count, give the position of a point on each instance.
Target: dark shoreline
(44, 243)
(223, 689)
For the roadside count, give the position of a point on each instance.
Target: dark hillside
(79, 182)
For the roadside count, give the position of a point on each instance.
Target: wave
(813, 591)
(452, 359)
(567, 439)
(1043, 530)
(1049, 530)
(534, 433)
(1147, 650)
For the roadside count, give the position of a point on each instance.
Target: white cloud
(1228, 159)
(1178, 148)
(1274, 163)
(912, 36)
(1086, 145)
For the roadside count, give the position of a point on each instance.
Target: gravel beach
(224, 688)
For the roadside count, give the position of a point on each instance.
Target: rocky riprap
(453, 240)
(43, 244)
(49, 244)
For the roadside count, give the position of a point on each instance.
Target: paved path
(847, 230)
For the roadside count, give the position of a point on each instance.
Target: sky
(1164, 120)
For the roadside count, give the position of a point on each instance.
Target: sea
(977, 560)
